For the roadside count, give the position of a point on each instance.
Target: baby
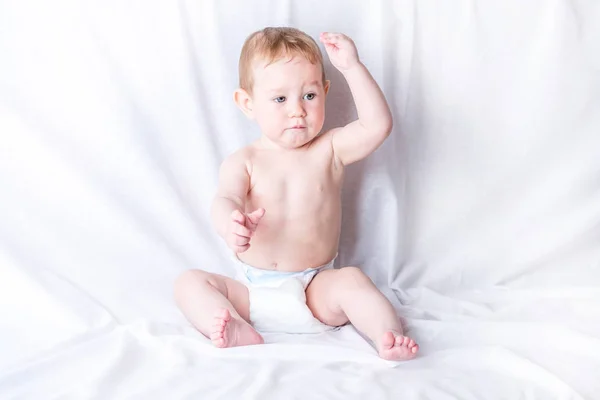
(278, 205)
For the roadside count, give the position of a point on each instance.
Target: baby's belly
(296, 240)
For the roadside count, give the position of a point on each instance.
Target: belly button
(274, 265)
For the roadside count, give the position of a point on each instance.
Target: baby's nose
(296, 110)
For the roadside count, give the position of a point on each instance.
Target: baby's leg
(217, 306)
(347, 294)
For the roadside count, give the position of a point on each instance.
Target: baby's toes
(219, 327)
(218, 339)
(388, 340)
(223, 314)
(398, 340)
(218, 322)
(405, 341)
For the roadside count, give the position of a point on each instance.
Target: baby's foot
(396, 347)
(229, 331)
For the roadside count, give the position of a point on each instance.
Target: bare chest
(294, 182)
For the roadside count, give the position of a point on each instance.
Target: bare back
(301, 193)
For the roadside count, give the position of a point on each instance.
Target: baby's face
(288, 100)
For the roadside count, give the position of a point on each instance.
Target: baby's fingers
(239, 249)
(241, 230)
(237, 240)
(256, 215)
(239, 244)
(238, 217)
(332, 37)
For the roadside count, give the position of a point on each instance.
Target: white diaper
(278, 299)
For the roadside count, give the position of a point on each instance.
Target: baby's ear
(244, 102)
(327, 85)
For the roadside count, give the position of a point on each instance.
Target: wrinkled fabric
(479, 217)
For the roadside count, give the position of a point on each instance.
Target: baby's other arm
(360, 138)
(228, 208)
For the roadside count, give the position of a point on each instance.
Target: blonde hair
(273, 43)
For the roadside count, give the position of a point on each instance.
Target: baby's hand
(341, 50)
(241, 228)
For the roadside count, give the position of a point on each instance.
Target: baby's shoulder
(240, 159)
(241, 154)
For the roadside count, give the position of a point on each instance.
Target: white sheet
(479, 217)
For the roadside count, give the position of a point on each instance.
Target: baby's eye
(279, 99)
(309, 96)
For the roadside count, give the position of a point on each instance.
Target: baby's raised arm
(362, 137)
(228, 208)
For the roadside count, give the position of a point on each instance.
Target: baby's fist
(341, 50)
(241, 228)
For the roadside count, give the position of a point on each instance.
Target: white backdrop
(479, 217)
